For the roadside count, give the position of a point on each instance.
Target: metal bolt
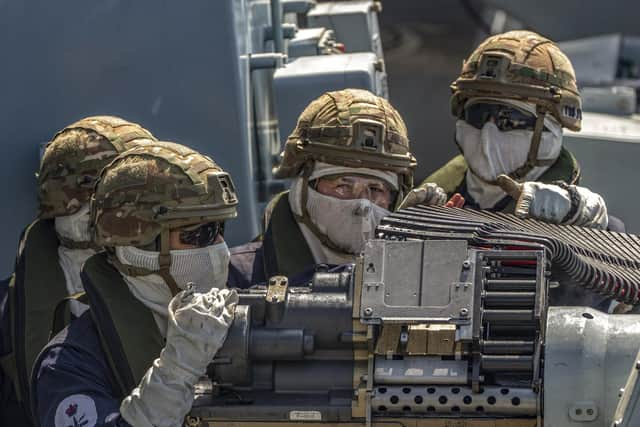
(404, 338)
(638, 365)
(368, 311)
(589, 411)
(466, 264)
(620, 392)
(464, 312)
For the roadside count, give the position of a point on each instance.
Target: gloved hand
(197, 327)
(567, 204)
(427, 194)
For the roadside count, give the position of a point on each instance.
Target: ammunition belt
(605, 262)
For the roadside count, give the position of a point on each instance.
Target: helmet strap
(403, 190)
(126, 269)
(305, 218)
(72, 244)
(164, 260)
(532, 158)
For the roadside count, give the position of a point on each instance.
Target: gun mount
(445, 326)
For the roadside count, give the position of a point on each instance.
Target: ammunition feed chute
(606, 262)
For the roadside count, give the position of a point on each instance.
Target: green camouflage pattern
(156, 186)
(74, 158)
(526, 67)
(328, 131)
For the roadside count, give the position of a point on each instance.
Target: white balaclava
(74, 227)
(204, 268)
(491, 152)
(346, 223)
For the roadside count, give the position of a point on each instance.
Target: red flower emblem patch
(71, 410)
(77, 410)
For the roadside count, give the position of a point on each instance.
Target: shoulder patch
(78, 410)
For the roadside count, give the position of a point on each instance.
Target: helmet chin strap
(532, 157)
(164, 260)
(72, 244)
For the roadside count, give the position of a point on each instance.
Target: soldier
(350, 163)
(158, 311)
(69, 169)
(53, 248)
(514, 95)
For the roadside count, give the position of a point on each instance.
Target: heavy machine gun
(444, 321)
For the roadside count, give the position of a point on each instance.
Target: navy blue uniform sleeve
(73, 385)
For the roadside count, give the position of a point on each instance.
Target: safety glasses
(202, 235)
(505, 117)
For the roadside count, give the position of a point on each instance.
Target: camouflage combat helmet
(524, 66)
(74, 158)
(352, 128)
(149, 190)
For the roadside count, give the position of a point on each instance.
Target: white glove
(545, 202)
(553, 203)
(592, 211)
(429, 194)
(197, 327)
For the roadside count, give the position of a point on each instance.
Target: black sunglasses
(505, 117)
(202, 235)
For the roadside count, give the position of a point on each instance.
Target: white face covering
(75, 226)
(491, 152)
(71, 262)
(348, 224)
(206, 268)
